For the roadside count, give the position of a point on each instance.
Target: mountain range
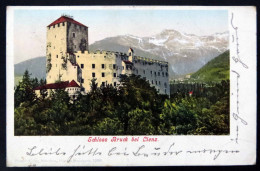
(186, 53)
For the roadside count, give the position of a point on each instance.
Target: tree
(140, 122)
(24, 91)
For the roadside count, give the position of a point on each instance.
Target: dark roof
(128, 62)
(73, 84)
(66, 19)
(59, 85)
(131, 49)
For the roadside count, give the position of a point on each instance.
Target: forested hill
(35, 66)
(215, 70)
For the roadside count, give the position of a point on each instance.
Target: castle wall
(156, 72)
(63, 40)
(70, 73)
(77, 38)
(68, 59)
(103, 75)
(55, 50)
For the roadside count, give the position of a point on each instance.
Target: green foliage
(24, 90)
(215, 70)
(64, 63)
(48, 64)
(133, 108)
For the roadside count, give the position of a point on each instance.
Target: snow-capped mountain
(185, 53)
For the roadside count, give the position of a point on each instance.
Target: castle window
(114, 66)
(156, 82)
(159, 82)
(166, 74)
(82, 89)
(114, 83)
(93, 74)
(103, 84)
(114, 74)
(63, 24)
(152, 81)
(163, 74)
(58, 24)
(165, 85)
(93, 66)
(103, 74)
(158, 73)
(57, 56)
(155, 73)
(73, 35)
(78, 56)
(82, 80)
(151, 72)
(82, 65)
(103, 66)
(53, 26)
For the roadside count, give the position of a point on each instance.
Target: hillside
(35, 66)
(215, 70)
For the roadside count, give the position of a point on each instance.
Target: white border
(245, 20)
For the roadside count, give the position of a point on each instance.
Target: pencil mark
(235, 39)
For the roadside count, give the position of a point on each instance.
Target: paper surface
(238, 148)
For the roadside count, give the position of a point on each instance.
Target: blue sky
(30, 25)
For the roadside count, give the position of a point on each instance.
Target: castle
(68, 59)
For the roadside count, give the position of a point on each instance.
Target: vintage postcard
(131, 86)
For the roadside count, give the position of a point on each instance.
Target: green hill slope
(215, 70)
(35, 66)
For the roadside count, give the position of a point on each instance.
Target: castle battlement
(69, 59)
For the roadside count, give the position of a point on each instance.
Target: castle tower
(65, 36)
(130, 54)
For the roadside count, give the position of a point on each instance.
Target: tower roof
(128, 62)
(131, 49)
(73, 84)
(65, 19)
